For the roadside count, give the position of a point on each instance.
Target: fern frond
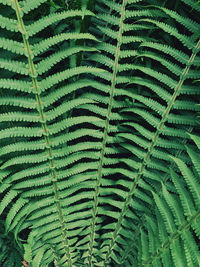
(26, 6)
(44, 45)
(14, 66)
(9, 24)
(96, 209)
(47, 63)
(45, 22)
(154, 121)
(13, 46)
(44, 158)
(11, 252)
(99, 154)
(179, 220)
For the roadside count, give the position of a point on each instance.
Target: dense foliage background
(99, 133)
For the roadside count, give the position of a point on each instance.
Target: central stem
(105, 134)
(52, 169)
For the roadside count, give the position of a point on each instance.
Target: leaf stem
(105, 134)
(175, 235)
(36, 90)
(148, 154)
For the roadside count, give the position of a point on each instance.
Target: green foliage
(11, 252)
(99, 133)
